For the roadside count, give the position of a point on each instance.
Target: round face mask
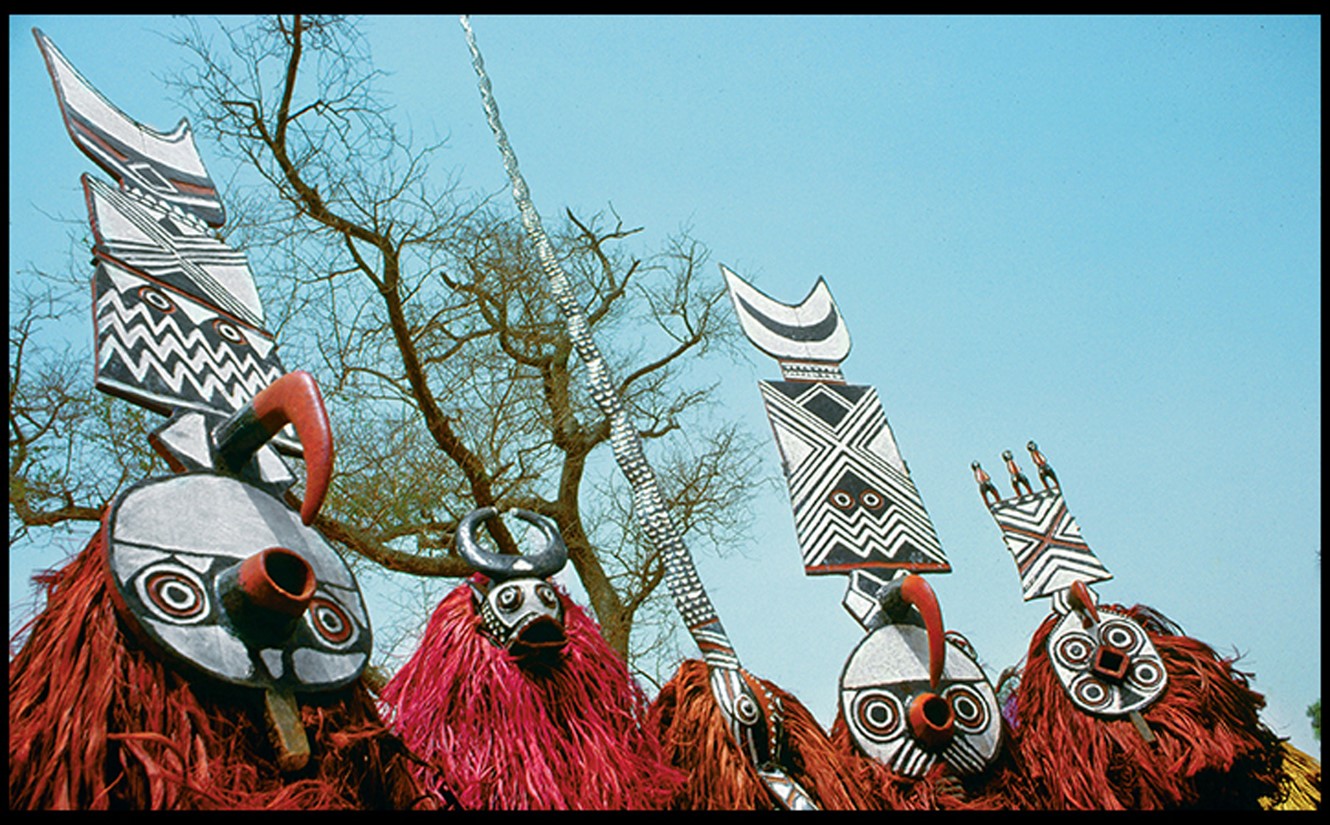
(224, 577)
(1110, 668)
(523, 615)
(897, 718)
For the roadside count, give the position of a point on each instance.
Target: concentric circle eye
(841, 499)
(969, 708)
(1120, 635)
(174, 594)
(330, 621)
(1074, 650)
(1091, 693)
(547, 596)
(872, 499)
(509, 598)
(156, 299)
(1146, 673)
(746, 709)
(229, 331)
(878, 715)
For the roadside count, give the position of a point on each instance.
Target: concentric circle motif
(329, 621)
(841, 499)
(1146, 673)
(509, 598)
(229, 331)
(547, 596)
(1120, 635)
(878, 715)
(1074, 650)
(746, 709)
(1091, 693)
(156, 299)
(872, 499)
(969, 708)
(173, 594)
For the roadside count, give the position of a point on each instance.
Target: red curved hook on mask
(292, 399)
(916, 591)
(1082, 602)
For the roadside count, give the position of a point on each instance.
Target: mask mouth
(540, 637)
(1111, 664)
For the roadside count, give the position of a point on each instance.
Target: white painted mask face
(523, 615)
(1108, 668)
(225, 578)
(897, 718)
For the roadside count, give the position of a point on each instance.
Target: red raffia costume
(696, 739)
(98, 722)
(1116, 708)
(515, 727)
(1211, 750)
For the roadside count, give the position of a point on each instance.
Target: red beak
(915, 590)
(292, 399)
(931, 717)
(1082, 602)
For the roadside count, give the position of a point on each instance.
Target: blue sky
(1102, 234)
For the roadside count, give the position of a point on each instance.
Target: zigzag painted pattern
(1046, 543)
(169, 361)
(833, 540)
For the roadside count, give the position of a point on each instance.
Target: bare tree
(450, 381)
(58, 429)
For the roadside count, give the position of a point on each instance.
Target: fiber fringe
(568, 736)
(1001, 787)
(1301, 786)
(696, 739)
(1211, 750)
(97, 722)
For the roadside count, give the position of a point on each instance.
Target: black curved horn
(548, 561)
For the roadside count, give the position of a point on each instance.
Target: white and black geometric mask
(519, 609)
(1105, 661)
(223, 577)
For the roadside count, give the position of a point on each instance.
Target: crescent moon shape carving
(811, 330)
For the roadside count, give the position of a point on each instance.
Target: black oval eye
(329, 621)
(509, 598)
(228, 330)
(872, 499)
(546, 594)
(156, 299)
(841, 499)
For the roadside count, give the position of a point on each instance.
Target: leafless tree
(450, 381)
